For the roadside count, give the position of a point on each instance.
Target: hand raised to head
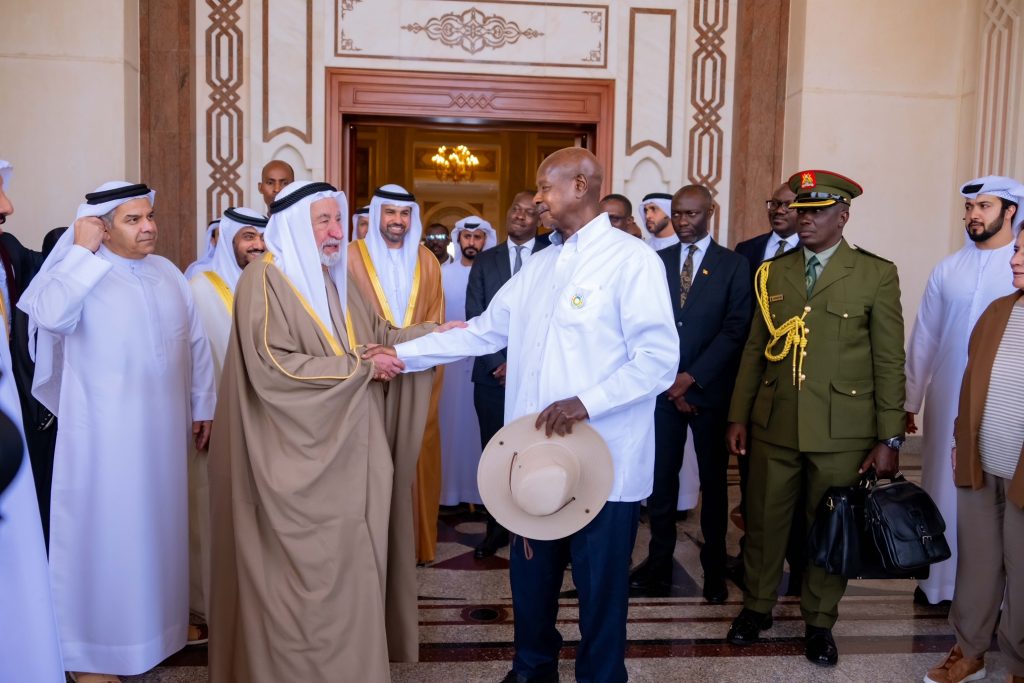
(89, 232)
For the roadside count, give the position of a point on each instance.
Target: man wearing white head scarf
(118, 323)
(401, 280)
(301, 475)
(240, 241)
(29, 648)
(203, 262)
(460, 431)
(959, 290)
(656, 214)
(360, 222)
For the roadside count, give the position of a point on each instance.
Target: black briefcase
(907, 527)
(841, 540)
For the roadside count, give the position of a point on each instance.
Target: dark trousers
(708, 427)
(600, 554)
(489, 401)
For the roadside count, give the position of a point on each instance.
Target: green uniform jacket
(854, 386)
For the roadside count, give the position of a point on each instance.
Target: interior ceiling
(401, 154)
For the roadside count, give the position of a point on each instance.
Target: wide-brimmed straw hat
(545, 488)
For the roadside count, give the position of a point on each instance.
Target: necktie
(519, 260)
(811, 273)
(781, 249)
(686, 277)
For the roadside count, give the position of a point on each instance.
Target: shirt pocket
(764, 401)
(580, 305)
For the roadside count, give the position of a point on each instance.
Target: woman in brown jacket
(987, 456)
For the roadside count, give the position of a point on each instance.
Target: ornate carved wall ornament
(224, 117)
(707, 95)
(472, 30)
(999, 91)
(636, 41)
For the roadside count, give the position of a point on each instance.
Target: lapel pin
(577, 301)
(704, 271)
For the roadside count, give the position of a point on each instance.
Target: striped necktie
(781, 248)
(811, 273)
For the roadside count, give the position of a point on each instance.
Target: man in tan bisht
(300, 467)
(402, 281)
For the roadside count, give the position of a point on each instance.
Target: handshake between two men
(386, 364)
(557, 418)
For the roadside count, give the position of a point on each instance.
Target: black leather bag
(842, 541)
(907, 527)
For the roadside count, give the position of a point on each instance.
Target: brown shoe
(955, 668)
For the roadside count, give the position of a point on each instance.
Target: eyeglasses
(775, 205)
(435, 238)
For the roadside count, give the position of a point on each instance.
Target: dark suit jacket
(491, 270)
(713, 324)
(25, 264)
(753, 250)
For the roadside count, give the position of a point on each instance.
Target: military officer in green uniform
(820, 389)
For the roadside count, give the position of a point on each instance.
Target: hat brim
(597, 473)
(812, 203)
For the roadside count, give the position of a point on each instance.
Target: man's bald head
(572, 162)
(274, 177)
(569, 190)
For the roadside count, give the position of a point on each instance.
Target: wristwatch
(895, 442)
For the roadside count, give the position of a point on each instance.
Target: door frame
(464, 98)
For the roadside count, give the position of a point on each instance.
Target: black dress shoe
(495, 540)
(746, 628)
(715, 591)
(513, 677)
(820, 647)
(648, 576)
(921, 599)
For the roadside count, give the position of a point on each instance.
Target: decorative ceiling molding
(503, 32)
(999, 90)
(472, 30)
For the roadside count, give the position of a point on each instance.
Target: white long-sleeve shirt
(592, 319)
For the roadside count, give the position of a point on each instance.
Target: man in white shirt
(118, 322)
(590, 336)
(491, 270)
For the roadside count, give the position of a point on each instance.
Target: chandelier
(455, 164)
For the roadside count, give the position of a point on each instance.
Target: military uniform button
(853, 392)
(803, 377)
(846, 315)
(679, 324)
(807, 309)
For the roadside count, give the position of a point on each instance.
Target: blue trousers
(600, 554)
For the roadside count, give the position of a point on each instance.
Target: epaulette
(868, 253)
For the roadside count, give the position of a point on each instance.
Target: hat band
(397, 196)
(298, 195)
(657, 195)
(246, 220)
(97, 198)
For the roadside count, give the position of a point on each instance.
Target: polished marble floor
(466, 624)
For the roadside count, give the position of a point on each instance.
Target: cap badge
(807, 180)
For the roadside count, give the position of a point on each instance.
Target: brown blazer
(981, 354)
